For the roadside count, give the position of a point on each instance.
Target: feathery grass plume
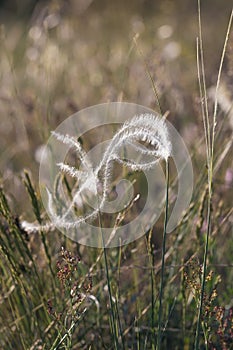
(69, 140)
(146, 134)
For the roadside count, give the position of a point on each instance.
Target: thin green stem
(119, 324)
(203, 281)
(151, 259)
(113, 323)
(203, 81)
(112, 315)
(202, 100)
(159, 337)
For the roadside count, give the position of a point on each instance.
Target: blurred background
(57, 57)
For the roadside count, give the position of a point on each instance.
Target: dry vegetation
(57, 57)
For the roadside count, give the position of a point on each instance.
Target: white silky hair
(138, 133)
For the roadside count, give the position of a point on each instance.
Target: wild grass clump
(163, 291)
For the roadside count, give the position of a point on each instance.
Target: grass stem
(112, 312)
(159, 337)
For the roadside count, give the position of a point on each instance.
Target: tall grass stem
(112, 309)
(159, 337)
